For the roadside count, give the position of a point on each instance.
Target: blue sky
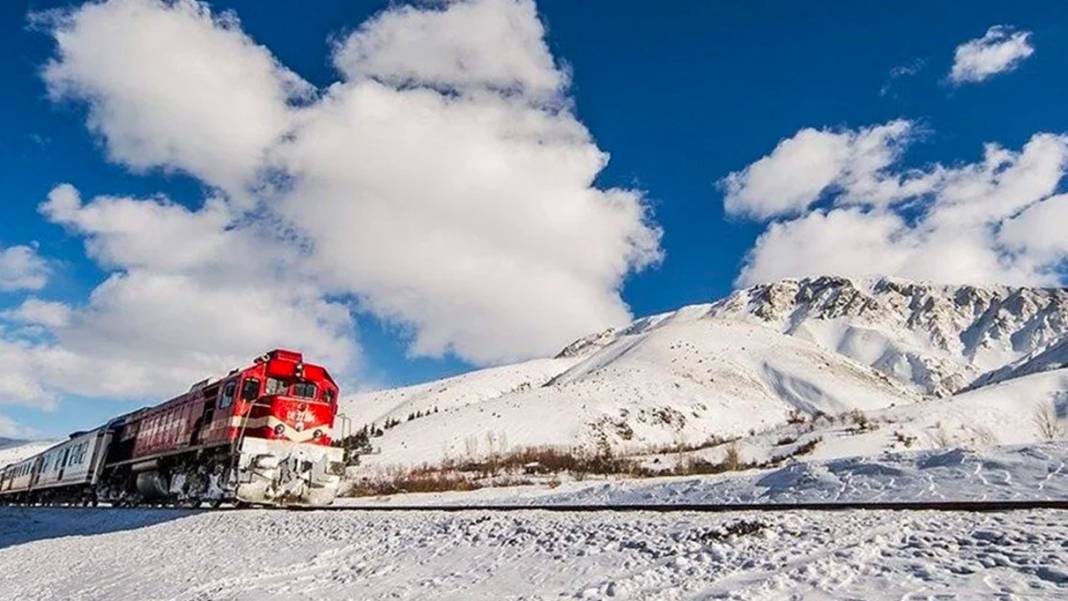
(680, 95)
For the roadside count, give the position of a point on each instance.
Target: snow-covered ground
(117, 555)
(1030, 472)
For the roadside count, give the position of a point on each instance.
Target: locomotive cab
(282, 422)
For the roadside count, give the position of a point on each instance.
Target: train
(260, 435)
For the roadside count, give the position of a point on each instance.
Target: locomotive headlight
(318, 433)
(279, 429)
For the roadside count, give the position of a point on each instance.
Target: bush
(1046, 422)
(418, 480)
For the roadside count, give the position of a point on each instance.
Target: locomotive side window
(304, 390)
(250, 389)
(275, 386)
(227, 397)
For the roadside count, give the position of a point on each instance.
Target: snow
(937, 337)
(169, 555)
(1023, 472)
(686, 380)
(13, 451)
(458, 391)
(1012, 473)
(949, 380)
(742, 365)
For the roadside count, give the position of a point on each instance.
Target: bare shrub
(1047, 423)
(860, 421)
(682, 447)
(939, 437)
(733, 460)
(471, 446)
(904, 439)
(417, 480)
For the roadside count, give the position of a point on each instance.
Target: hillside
(947, 361)
(12, 450)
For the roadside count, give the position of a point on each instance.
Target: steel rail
(950, 506)
(973, 506)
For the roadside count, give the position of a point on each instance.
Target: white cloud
(444, 185)
(1039, 231)
(170, 85)
(35, 311)
(190, 293)
(1001, 49)
(997, 220)
(21, 268)
(814, 162)
(476, 223)
(22, 384)
(899, 72)
(496, 44)
(9, 428)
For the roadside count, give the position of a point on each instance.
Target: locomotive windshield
(276, 386)
(303, 390)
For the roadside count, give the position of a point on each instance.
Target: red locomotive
(258, 435)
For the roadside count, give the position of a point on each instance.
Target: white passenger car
(71, 464)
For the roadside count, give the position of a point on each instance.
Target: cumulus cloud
(189, 291)
(997, 220)
(450, 48)
(170, 85)
(814, 162)
(34, 311)
(472, 212)
(21, 268)
(1039, 230)
(1001, 49)
(443, 184)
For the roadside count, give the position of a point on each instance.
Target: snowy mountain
(12, 450)
(749, 364)
(937, 337)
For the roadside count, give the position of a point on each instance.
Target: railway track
(956, 506)
(975, 506)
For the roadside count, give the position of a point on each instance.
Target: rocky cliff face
(938, 338)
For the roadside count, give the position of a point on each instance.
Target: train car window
(328, 396)
(275, 386)
(304, 390)
(227, 397)
(250, 389)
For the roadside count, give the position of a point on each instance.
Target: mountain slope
(12, 450)
(939, 338)
(683, 382)
(441, 395)
(747, 362)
